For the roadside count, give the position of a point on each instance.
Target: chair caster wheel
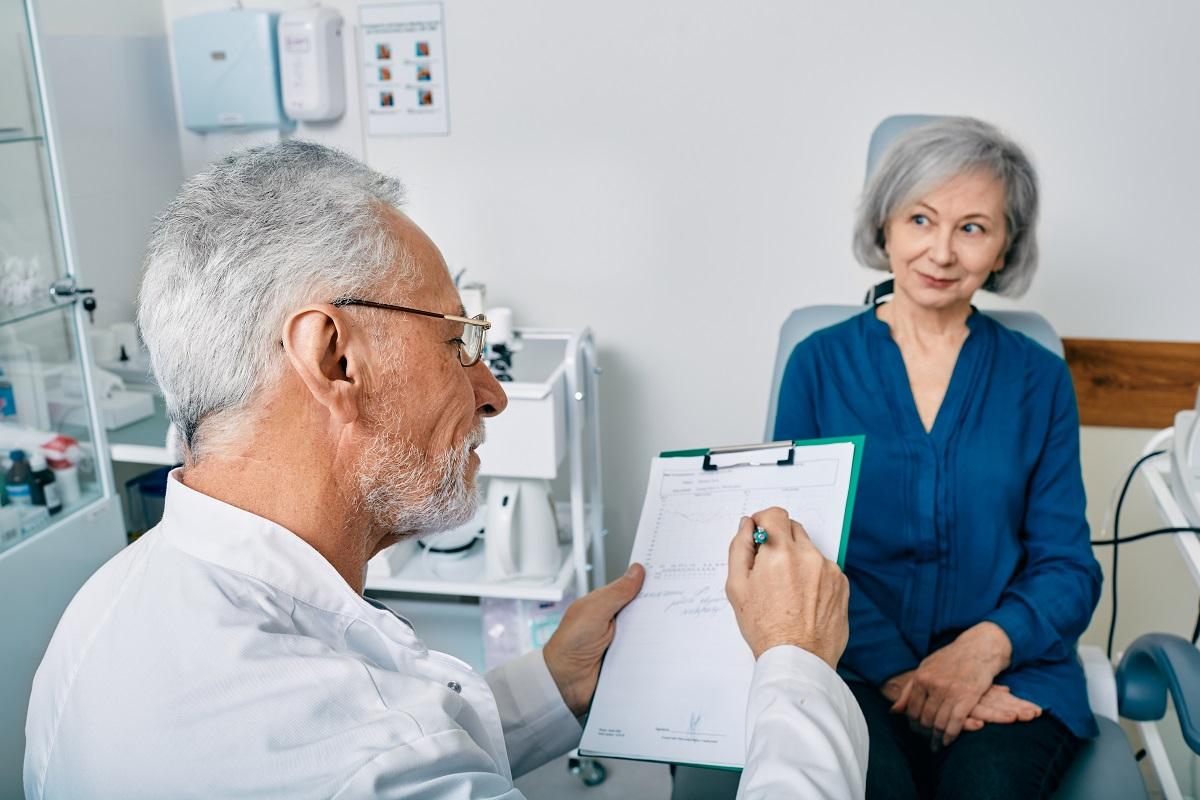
(590, 771)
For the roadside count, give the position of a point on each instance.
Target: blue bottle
(8, 400)
(18, 483)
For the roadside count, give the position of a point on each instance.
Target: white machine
(310, 64)
(521, 538)
(1185, 463)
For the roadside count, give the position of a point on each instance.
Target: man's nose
(490, 398)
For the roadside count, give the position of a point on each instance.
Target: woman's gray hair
(255, 236)
(930, 155)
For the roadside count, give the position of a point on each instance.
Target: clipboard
(674, 684)
(781, 453)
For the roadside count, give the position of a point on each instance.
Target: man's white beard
(406, 491)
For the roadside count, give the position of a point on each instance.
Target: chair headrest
(888, 131)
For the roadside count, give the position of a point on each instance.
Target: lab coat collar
(237, 540)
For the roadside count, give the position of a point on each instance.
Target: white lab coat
(221, 656)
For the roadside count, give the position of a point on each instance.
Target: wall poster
(403, 53)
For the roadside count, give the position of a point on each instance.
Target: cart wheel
(592, 772)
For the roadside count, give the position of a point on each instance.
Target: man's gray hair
(928, 156)
(252, 238)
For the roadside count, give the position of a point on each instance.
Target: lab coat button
(455, 687)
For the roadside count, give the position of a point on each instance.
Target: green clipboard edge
(859, 441)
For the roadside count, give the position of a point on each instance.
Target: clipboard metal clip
(790, 460)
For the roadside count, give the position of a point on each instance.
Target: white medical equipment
(1185, 463)
(227, 68)
(117, 406)
(521, 530)
(310, 64)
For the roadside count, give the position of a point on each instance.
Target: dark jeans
(1023, 760)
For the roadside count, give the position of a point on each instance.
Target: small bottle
(44, 486)
(19, 480)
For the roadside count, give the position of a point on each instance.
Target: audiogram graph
(690, 527)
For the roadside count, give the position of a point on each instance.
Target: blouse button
(455, 687)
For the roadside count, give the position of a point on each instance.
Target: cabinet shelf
(14, 136)
(13, 314)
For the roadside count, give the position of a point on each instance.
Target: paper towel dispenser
(227, 66)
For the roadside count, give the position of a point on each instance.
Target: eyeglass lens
(472, 347)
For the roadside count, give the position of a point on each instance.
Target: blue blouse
(981, 518)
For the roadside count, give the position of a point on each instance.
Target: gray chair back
(886, 132)
(803, 322)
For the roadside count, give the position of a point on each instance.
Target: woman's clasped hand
(952, 690)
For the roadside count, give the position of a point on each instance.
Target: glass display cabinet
(59, 518)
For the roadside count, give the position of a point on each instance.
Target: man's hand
(574, 651)
(951, 682)
(784, 591)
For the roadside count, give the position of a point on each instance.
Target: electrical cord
(1196, 630)
(1137, 537)
(1117, 540)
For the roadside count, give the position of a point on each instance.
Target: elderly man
(313, 353)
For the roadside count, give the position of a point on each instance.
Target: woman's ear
(329, 358)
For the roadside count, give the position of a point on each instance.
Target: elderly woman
(970, 570)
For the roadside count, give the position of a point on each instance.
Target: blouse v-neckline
(961, 378)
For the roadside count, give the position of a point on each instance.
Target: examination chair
(1153, 666)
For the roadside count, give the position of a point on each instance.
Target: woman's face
(944, 245)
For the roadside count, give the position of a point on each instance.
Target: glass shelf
(8, 137)
(13, 314)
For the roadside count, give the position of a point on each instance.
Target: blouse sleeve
(1047, 607)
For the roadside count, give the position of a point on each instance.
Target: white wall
(680, 174)
(110, 18)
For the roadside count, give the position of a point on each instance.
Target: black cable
(1196, 630)
(1137, 537)
(1116, 540)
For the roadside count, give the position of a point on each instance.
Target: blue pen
(760, 536)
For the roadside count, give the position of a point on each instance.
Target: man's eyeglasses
(470, 344)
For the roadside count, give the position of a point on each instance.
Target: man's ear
(328, 358)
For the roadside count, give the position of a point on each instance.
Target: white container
(528, 440)
(310, 64)
(67, 477)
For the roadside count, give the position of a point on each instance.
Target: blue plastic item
(147, 494)
(8, 400)
(227, 63)
(1153, 666)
